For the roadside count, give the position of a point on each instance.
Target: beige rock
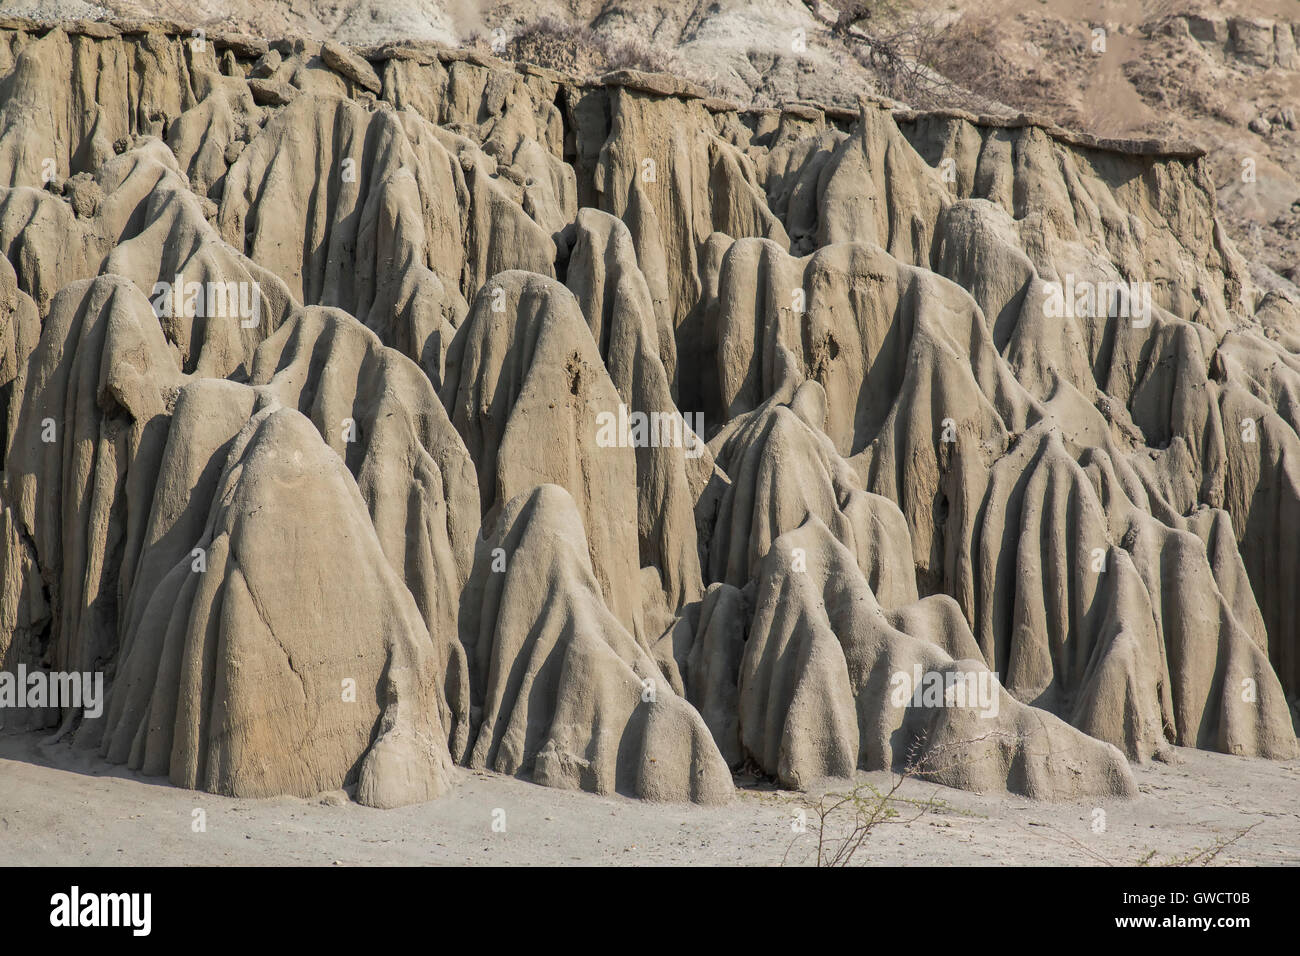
(821, 692)
(563, 694)
(399, 469)
(525, 388)
(354, 68)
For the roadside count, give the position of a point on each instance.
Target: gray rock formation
(437, 411)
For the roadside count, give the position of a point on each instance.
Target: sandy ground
(59, 806)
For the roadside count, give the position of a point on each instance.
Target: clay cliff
(370, 411)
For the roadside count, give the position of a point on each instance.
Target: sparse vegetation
(1198, 856)
(575, 49)
(843, 822)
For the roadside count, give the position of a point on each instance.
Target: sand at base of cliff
(62, 807)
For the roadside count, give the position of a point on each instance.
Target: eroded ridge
(372, 411)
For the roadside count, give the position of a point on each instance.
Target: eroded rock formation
(372, 411)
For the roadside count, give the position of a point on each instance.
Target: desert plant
(843, 822)
(1198, 856)
(634, 55)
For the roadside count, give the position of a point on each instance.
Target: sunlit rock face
(371, 413)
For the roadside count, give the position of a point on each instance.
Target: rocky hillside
(1219, 73)
(373, 410)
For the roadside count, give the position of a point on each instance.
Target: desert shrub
(557, 45)
(574, 49)
(634, 55)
